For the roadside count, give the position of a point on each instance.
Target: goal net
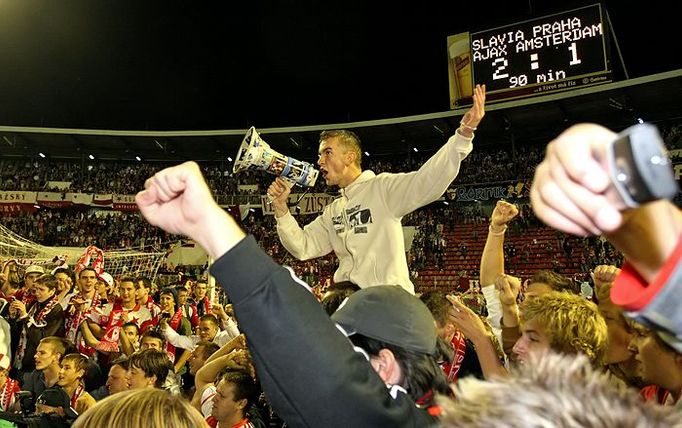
(118, 263)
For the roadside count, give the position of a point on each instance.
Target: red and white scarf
(112, 332)
(459, 344)
(38, 320)
(174, 323)
(73, 324)
(8, 394)
(76, 395)
(93, 258)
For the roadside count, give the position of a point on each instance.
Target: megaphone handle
(289, 183)
(300, 197)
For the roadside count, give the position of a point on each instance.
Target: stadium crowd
(90, 348)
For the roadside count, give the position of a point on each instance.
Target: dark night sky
(231, 64)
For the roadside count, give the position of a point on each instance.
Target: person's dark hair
(152, 332)
(65, 270)
(245, 387)
(421, 373)
(555, 281)
(146, 282)
(438, 304)
(210, 318)
(445, 353)
(131, 324)
(342, 286)
(122, 361)
(86, 269)
(173, 293)
(127, 279)
(153, 363)
(14, 278)
(333, 299)
(80, 362)
(48, 280)
(209, 348)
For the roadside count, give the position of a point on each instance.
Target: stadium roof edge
(351, 125)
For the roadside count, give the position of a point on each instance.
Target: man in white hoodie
(363, 226)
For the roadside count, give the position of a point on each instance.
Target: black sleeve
(333, 386)
(54, 323)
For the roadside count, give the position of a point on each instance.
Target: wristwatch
(639, 166)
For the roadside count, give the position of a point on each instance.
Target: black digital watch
(639, 166)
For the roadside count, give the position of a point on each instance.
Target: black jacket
(307, 367)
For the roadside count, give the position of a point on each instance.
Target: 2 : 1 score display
(501, 70)
(544, 54)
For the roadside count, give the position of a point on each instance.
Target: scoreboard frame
(557, 52)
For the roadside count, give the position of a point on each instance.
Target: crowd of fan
(78, 228)
(72, 339)
(77, 339)
(128, 177)
(120, 230)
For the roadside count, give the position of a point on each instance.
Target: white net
(116, 262)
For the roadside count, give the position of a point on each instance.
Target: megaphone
(256, 154)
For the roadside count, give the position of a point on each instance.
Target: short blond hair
(552, 390)
(573, 323)
(348, 139)
(150, 408)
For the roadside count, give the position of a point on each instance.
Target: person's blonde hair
(149, 408)
(348, 139)
(574, 324)
(553, 390)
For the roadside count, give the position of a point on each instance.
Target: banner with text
(311, 203)
(125, 203)
(12, 202)
(482, 192)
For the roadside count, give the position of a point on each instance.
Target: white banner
(103, 200)
(17, 197)
(61, 185)
(80, 198)
(311, 203)
(50, 197)
(248, 187)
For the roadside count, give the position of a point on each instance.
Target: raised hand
(603, 275)
(572, 191)
(509, 287)
(466, 320)
(279, 192)
(473, 117)
(503, 213)
(178, 200)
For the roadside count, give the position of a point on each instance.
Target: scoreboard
(553, 53)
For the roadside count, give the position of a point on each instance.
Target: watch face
(640, 169)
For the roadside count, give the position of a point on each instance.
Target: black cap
(57, 397)
(173, 292)
(389, 314)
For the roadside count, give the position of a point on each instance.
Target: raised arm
(492, 259)
(403, 193)
(572, 191)
(88, 336)
(171, 201)
(239, 342)
(471, 325)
